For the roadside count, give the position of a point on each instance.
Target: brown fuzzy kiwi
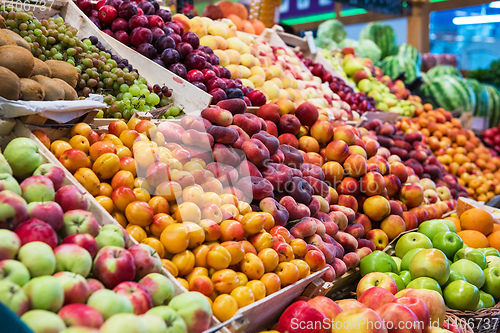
(17, 59)
(41, 68)
(64, 71)
(18, 40)
(53, 92)
(69, 92)
(2, 23)
(6, 39)
(10, 87)
(31, 90)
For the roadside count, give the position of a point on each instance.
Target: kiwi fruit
(31, 90)
(64, 71)
(6, 39)
(53, 92)
(10, 86)
(18, 40)
(69, 92)
(17, 59)
(41, 68)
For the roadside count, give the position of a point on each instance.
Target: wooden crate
(187, 96)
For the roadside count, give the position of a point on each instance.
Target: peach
(372, 183)
(346, 134)
(322, 131)
(231, 230)
(376, 208)
(399, 169)
(392, 185)
(411, 195)
(337, 151)
(355, 166)
(217, 116)
(74, 159)
(308, 144)
(269, 112)
(349, 186)
(334, 172)
(348, 201)
(307, 113)
(188, 211)
(315, 260)
(225, 280)
(393, 225)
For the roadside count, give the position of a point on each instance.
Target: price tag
(310, 42)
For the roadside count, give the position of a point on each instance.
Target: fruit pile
(378, 308)
(59, 268)
(491, 137)
(153, 32)
(451, 256)
(85, 65)
(237, 13)
(459, 150)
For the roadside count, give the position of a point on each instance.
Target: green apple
(43, 321)
(430, 263)
(365, 85)
(45, 293)
(405, 276)
(14, 271)
(9, 244)
(492, 282)
(110, 235)
(432, 228)
(159, 286)
(13, 297)
(351, 66)
(123, 322)
(487, 299)
(153, 324)
(398, 262)
(109, 303)
(425, 283)
(4, 165)
(410, 241)
(493, 261)
(405, 262)
(471, 271)
(454, 276)
(473, 255)
(7, 182)
(448, 242)
(449, 223)
(399, 282)
(194, 308)
(461, 295)
(38, 258)
(377, 261)
(173, 320)
(23, 157)
(73, 258)
(480, 304)
(490, 251)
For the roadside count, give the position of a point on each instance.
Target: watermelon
(382, 35)
(393, 66)
(410, 52)
(482, 97)
(451, 93)
(440, 70)
(493, 105)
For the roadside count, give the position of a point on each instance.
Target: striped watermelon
(482, 97)
(493, 105)
(440, 70)
(450, 93)
(410, 52)
(393, 66)
(382, 35)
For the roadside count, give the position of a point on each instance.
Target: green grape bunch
(100, 72)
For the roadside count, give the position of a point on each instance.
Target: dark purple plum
(200, 52)
(126, 10)
(178, 69)
(200, 85)
(141, 35)
(122, 36)
(119, 24)
(147, 50)
(184, 49)
(170, 56)
(177, 38)
(166, 15)
(175, 27)
(155, 4)
(163, 43)
(246, 90)
(214, 60)
(191, 38)
(206, 49)
(157, 33)
(208, 65)
(108, 32)
(96, 21)
(217, 95)
(138, 21)
(146, 7)
(114, 3)
(167, 30)
(216, 83)
(159, 62)
(194, 61)
(235, 93)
